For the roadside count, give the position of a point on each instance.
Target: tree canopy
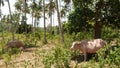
(87, 13)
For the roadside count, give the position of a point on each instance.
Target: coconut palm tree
(59, 22)
(1, 4)
(51, 9)
(25, 11)
(22, 7)
(11, 19)
(45, 40)
(35, 9)
(66, 7)
(32, 7)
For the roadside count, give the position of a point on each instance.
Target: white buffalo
(88, 46)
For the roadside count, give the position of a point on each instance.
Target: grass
(55, 54)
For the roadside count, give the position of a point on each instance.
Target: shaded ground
(80, 58)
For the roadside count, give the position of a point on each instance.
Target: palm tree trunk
(59, 7)
(11, 20)
(35, 27)
(51, 24)
(2, 30)
(25, 13)
(50, 11)
(45, 41)
(25, 23)
(32, 13)
(1, 21)
(32, 18)
(59, 22)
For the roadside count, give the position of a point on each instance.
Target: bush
(109, 34)
(83, 35)
(59, 58)
(110, 56)
(23, 28)
(13, 51)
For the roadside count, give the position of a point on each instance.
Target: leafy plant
(60, 58)
(109, 55)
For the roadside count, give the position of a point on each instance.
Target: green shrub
(23, 28)
(110, 56)
(13, 51)
(59, 58)
(83, 35)
(109, 34)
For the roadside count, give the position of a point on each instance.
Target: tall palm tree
(32, 7)
(67, 1)
(11, 19)
(36, 9)
(22, 7)
(59, 5)
(59, 22)
(51, 9)
(25, 20)
(66, 7)
(45, 41)
(1, 4)
(50, 15)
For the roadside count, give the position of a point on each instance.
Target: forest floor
(32, 57)
(26, 57)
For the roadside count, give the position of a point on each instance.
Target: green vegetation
(59, 54)
(49, 46)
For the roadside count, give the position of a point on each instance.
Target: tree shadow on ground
(31, 48)
(80, 58)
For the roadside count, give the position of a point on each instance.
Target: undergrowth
(60, 56)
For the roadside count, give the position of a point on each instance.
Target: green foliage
(60, 55)
(30, 42)
(104, 11)
(83, 35)
(12, 51)
(113, 57)
(9, 51)
(109, 56)
(19, 6)
(2, 48)
(22, 28)
(59, 58)
(109, 34)
(7, 56)
(4, 24)
(37, 35)
(112, 13)
(78, 20)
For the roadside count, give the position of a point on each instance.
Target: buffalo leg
(84, 53)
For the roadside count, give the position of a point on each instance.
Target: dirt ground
(26, 57)
(29, 59)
